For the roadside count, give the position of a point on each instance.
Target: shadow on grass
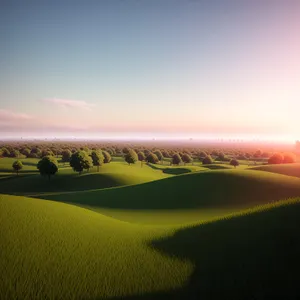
(216, 167)
(172, 171)
(253, 256)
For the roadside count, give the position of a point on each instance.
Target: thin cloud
(9, 116)
(70, 103)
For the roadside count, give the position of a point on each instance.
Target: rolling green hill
(110, 175)
(188, 197)
(285, 169)
(55, 250)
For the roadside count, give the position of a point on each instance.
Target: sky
(150, 69)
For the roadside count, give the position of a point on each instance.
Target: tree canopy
(98, 158)
(48, 166)
(176, 159)
(131, 157)
(107, 157)
(152, 158)
(80, 160)
(17, 166)
(207, 160)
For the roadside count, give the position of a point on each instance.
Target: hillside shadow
(252, 256)
(172, 171)
(216, 167)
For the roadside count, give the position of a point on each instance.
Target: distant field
(59, 251)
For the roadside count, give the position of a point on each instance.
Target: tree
(66, 155)
(234, 163)
(222, 157)
(17, 166)
(48, 166)
(131, 157)
(176, 159)
(158, 154)
(202, 154)
(125, 150)
(5, 152)
(207, 160)
(289, 158)
(152, 158)
(46, 152)
(186, 158)
(107, 157)
(80, 160)
(97, 158)
(26, 152)
(276, 158)
(14, 153)
(141, 156)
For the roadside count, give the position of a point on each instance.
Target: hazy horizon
(150, 69)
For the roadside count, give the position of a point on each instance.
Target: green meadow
(150, 231)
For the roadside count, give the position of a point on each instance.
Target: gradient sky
(150, 68)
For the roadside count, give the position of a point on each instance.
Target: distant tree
(158, 154)
(152, 158)
(110, 151)
(66, 155)
(33, 155)
(186, 158)
(131, 157)
(80, 160)
(202, 154)
(14, 153)
(125, 150)
(215, 153)
(207, 160)
(141, 156)
(98, 158)
(276, 158)
(165, 153)
(147, 152)
(5, 152)
(222, 157)
(48, 166)
(107, 157)
(17, 166)
(257, 153)
(234, 163)
(265, 154)
(176, 159)
(46, 152)
(26, 152)
(289, 158)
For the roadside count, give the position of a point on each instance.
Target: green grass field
(186, 198)
(59, 251)
(285, 169)
(151, 232)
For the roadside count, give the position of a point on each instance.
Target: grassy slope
(185, 198)
(285, 169)
(29, 165)
(110, 175)
(55, 250)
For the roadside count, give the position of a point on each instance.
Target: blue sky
(149, 68)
